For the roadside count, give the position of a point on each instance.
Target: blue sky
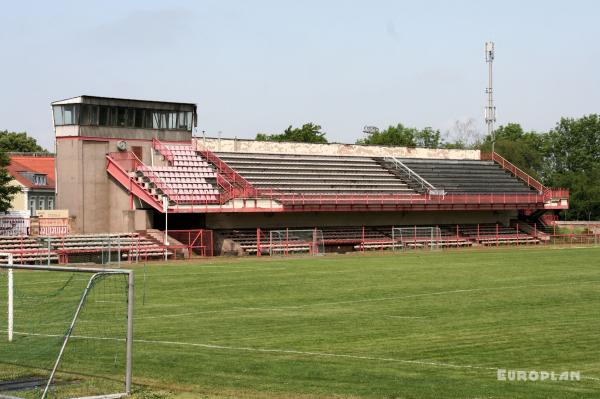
(258, 66)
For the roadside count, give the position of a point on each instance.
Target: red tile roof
(35, 164)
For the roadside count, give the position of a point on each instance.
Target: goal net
(290, 241)
(416, 237)
(65, 332)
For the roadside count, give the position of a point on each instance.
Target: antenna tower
(490, 109)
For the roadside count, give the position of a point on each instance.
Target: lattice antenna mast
(490, 110)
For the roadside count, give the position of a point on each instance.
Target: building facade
(34, 174)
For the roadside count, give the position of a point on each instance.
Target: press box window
(104, 116)
(88, 115)
(66, 114)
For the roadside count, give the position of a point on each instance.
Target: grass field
(412, 325)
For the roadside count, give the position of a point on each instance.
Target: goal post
(296, 241)
(69, 331)
(416, 237)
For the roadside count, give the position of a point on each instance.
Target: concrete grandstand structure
(121, 164)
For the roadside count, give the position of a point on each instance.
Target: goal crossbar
(95, 273)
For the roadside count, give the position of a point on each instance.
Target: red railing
(126, 160)
(160, 147)
(130, 163)
(506, 165)
(549, 193)
(230, 179)
(376, 199)
(557, 193)
(198, 241)
(118, 168)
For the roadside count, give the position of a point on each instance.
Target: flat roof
(128, 102)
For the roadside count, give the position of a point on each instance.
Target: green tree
(308, 133)
(7, 191)
(573, 159)
(400, 136)
(584, 199)
(18, 142)
(428, 138)
(526, 150)
(574, 144)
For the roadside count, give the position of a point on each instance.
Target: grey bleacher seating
(466, 176)
(312, 174)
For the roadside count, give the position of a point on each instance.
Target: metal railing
(507, 165)
(233, 184)
(198, 241)
(163, 149)
(496, 198)
(411, 174)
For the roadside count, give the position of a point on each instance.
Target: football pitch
(430, 324)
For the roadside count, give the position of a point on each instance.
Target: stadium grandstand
(132, 167)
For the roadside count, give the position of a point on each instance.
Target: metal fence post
(129, 354)
(10, 299)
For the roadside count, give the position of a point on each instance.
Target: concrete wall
(97, 202)
(269, 147)
(313, 219)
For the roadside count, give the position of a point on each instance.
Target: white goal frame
(425, 236)
(280, 243)
(95, 273)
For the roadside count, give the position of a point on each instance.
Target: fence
(14, 225)
(198, 242)
(54, 226)
(107, 249)
(370, 238)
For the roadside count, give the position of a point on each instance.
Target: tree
(428, 138)
(574, 144)
(399, 136)
(18, 142)
(464, 135)
(402, 136)
(584, 199)
(525, 150)
(7, 191)
(308, 133)
(573, 159)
